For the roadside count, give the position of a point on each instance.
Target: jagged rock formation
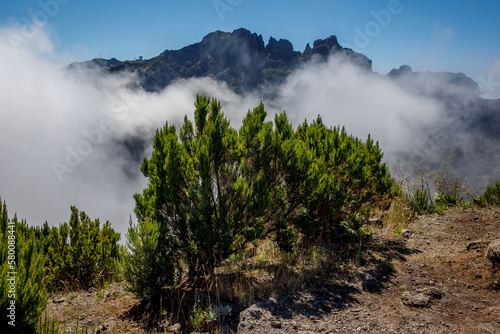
(239, 58)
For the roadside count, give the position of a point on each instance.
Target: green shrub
(78, 254)
(213, 189)
(46, 325)
(144, 265)
(81, 254)
(197, 318)
(491, 196)
(23, 296)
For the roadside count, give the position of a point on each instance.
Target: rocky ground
(435, 279)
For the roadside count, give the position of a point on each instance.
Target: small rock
(271, 302)
(255, 314)
(276, 324)
(174, 328)
(376, 221)
(434, 293)
(476, 245)
(415, 299)
(254, 311)
(493, 252)
(406, 233)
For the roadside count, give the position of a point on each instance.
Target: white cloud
(365, 103)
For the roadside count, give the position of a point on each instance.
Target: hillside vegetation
(229, 217)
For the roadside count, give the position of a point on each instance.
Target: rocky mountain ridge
(241, 59)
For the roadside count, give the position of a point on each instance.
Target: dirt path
(440, 282)
(437, 280)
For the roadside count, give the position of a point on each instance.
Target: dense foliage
(75, 255)
(22, 294)
(491, 196)
(145, 265)
(81, 253)
(212, 189)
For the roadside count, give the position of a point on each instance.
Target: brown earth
(435, 280)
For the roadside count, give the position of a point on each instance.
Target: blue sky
(429, 35)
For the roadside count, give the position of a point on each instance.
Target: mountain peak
(236, 38)
(281, 48)
(326, 46)
(401, 71)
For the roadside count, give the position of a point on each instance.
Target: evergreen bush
(81, 254)
(491, 196)
(23, 296)
(212, 189)
(145, 266)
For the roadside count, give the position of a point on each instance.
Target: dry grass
(398, 217)
(268, 271)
